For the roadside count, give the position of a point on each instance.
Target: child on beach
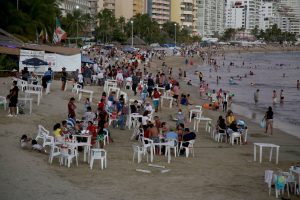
(36, 146)
(87, 104)
(24, 142)
(57, 132)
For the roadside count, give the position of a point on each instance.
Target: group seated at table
(160, 132)
(230, 125)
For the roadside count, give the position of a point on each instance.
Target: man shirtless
(153, 133)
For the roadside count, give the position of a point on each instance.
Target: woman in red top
(71, 108)
(93, 131)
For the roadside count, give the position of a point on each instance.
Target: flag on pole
(41, 35)
(59, 34)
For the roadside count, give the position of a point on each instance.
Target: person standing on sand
(269, 120)
(256, 96)
(13, 100)
(274, 97)
(63, 78)
(71, 108)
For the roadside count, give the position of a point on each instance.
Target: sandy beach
(218, 171)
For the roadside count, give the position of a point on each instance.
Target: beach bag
(263, 123)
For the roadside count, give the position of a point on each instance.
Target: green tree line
(29, 17)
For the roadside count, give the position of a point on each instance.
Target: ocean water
(272, 71)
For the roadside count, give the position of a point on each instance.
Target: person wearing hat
(63, 78)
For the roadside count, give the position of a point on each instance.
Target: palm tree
(32, 15)
(107, 23)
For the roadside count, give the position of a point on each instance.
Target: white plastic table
(167, 98)
(167, 146)
(30, 103)
(266, 145)
(87, 145)
(86, 91)
(132, 117)
(208, 121)
(196, 110)
(29, 92)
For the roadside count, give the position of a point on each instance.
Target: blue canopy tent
(34, 62)
(85, 59)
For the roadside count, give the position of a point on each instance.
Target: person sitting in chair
(188, 136)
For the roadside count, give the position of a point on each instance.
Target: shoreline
(214, 114)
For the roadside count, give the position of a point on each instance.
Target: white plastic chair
(48, 141)
(3, 102)
(76, 88)
(149, 146)
(128, 85)
(188, 149)
(137, 132)
(106, 137)
(42, 133)
(139, 152)
(220, 136)
(54, 152)
(112, 118)
(236, 136)
(174, 146)
(67, 155)
(99, 154)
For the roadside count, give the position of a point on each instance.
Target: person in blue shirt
(47, 77)
(171, 134)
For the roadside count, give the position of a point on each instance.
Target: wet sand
(218, 170)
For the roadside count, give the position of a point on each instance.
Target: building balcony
(188, 1)
(187, 12)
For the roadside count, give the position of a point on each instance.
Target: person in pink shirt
(176, 92)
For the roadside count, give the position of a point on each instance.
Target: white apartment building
(235, 15)
(242, 14)
(289, 16)
(268, 15)
(210, 17)
(86, 6)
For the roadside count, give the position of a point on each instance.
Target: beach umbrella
(34, 62)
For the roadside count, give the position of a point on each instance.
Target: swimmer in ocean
(274, 97)
(281, 96)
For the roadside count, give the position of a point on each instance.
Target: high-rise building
(210, 17)
(242, 14)
(159, 10)
(86, 6)
(184, 12)
(268, 15)
(139, 7)
(289, 16)
(124, 8)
